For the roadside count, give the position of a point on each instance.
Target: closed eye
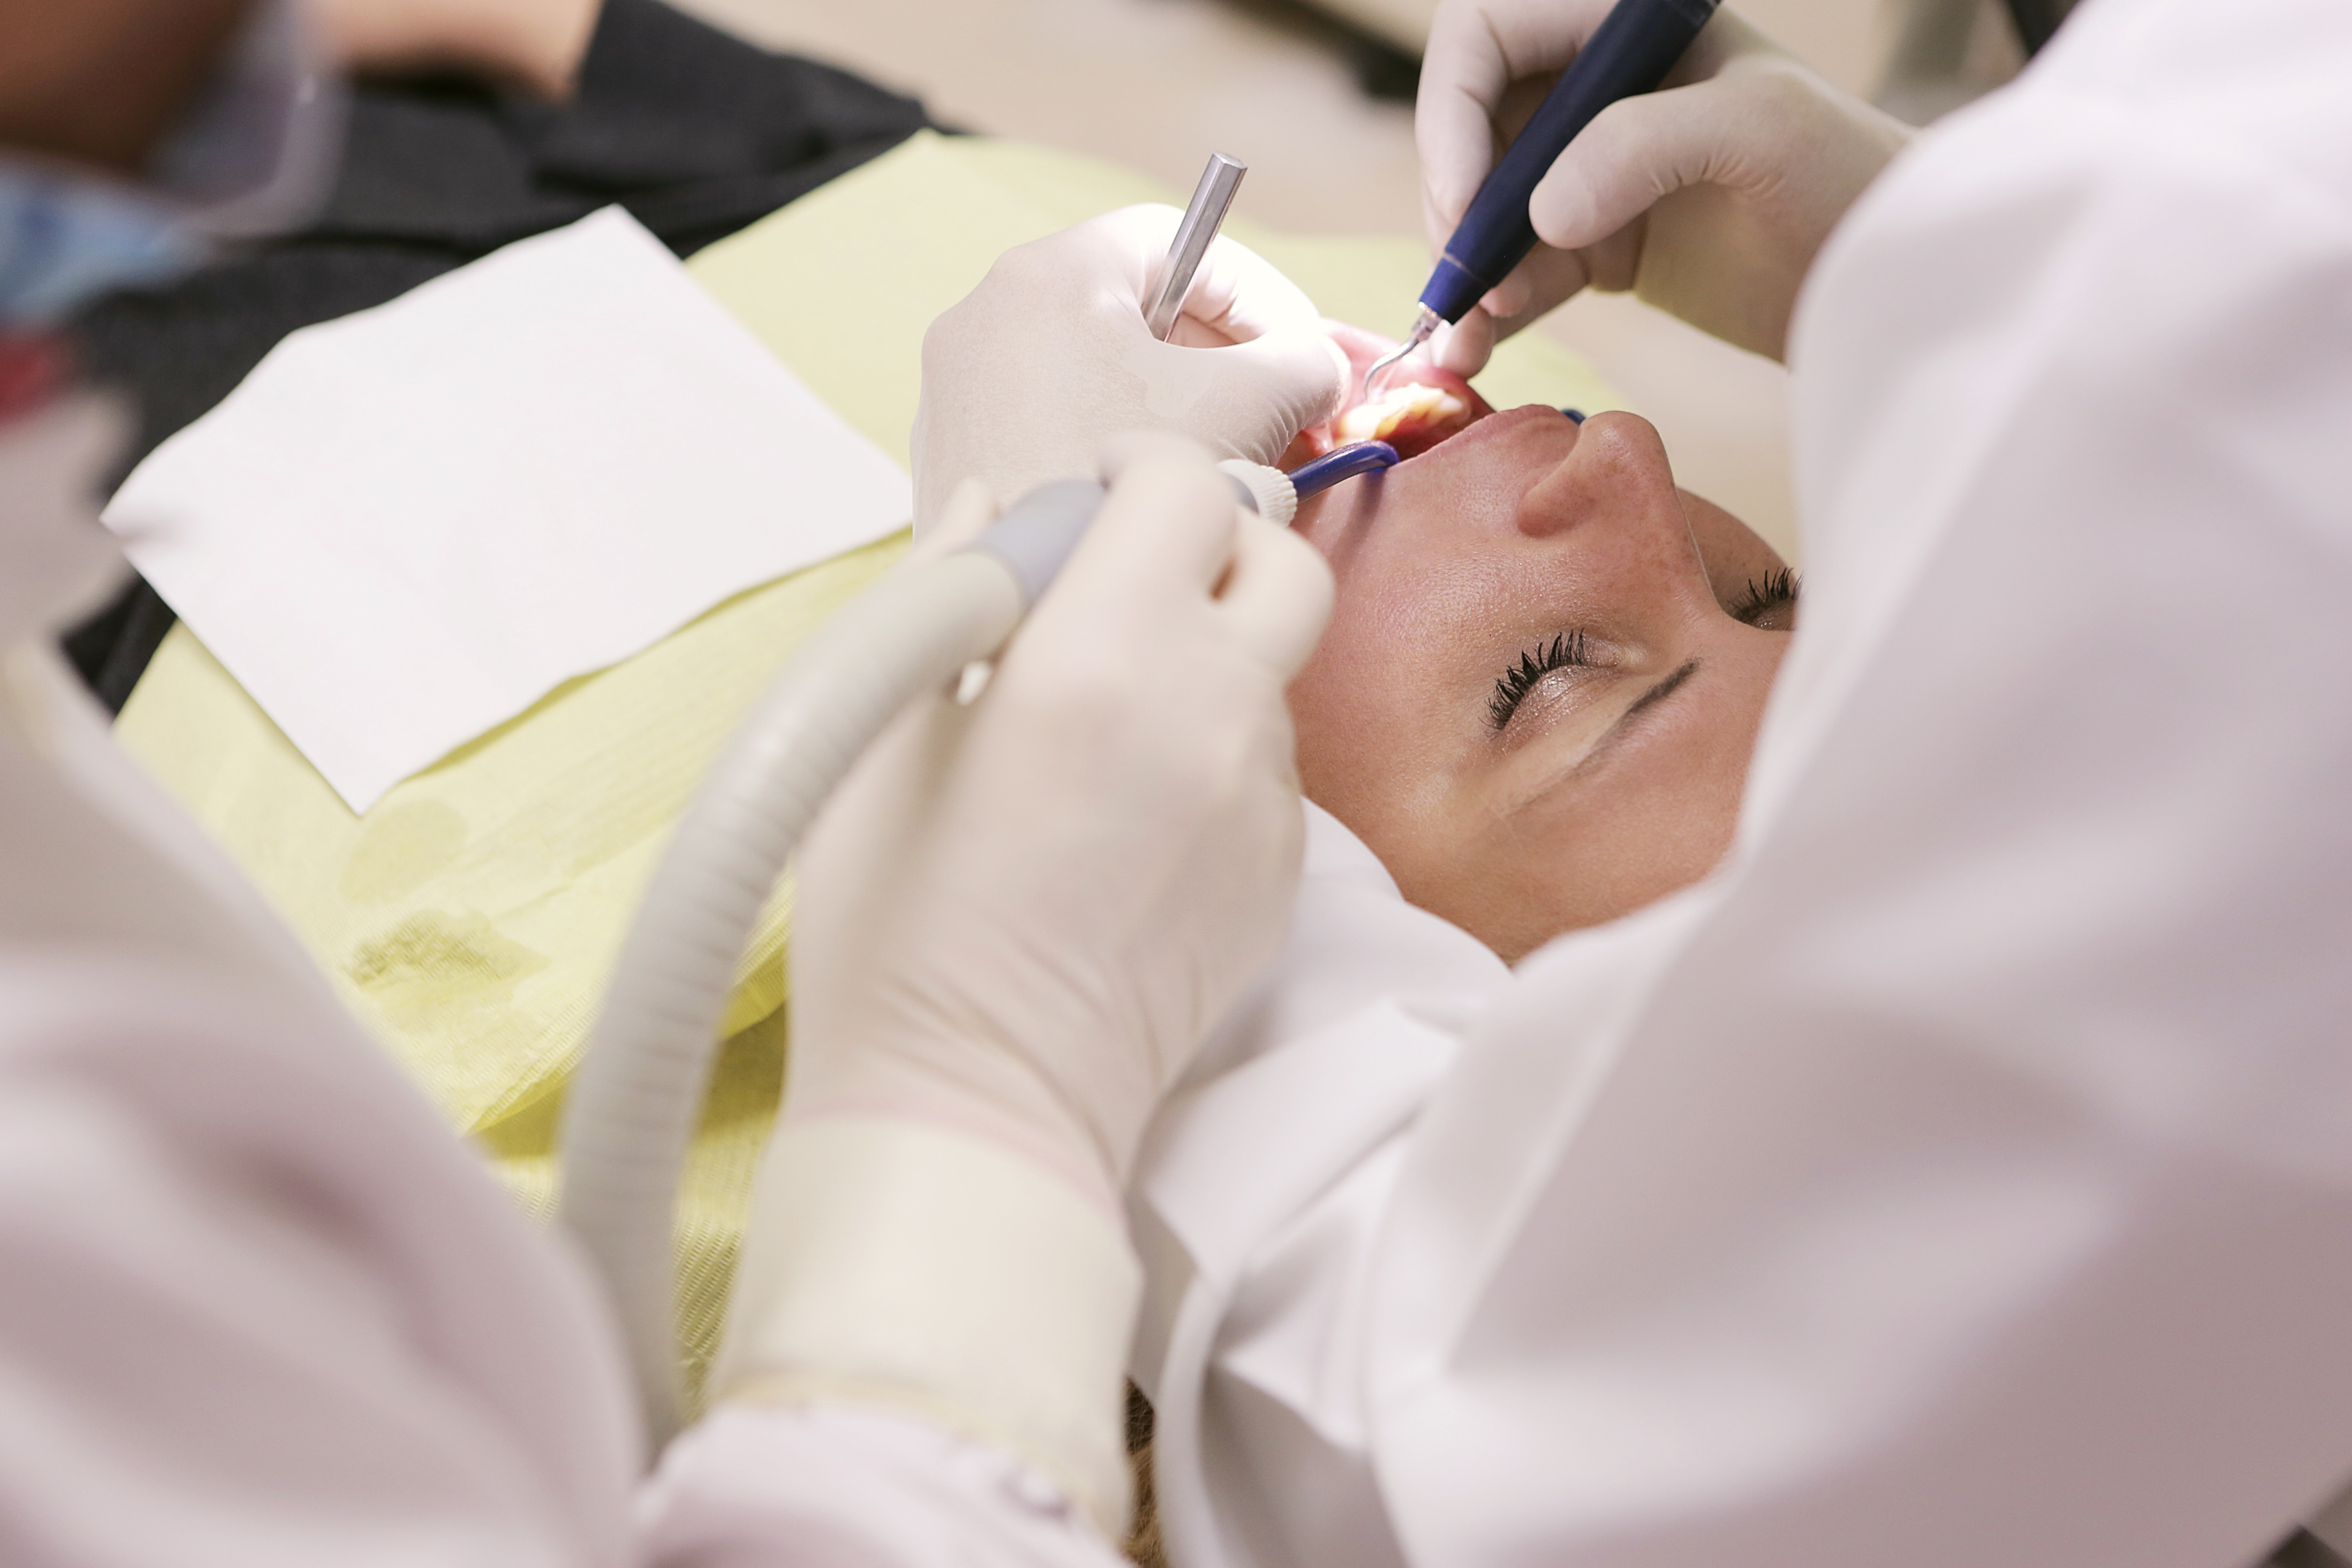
(1773, 591)
(1560, 653)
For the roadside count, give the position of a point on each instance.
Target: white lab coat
(257, 1305)
(1962, 1175)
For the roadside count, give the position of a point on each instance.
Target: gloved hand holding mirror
(1025, 379)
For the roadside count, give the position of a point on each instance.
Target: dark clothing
(696, 133)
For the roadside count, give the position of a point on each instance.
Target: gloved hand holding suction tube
(1015, 921)
(1709, 198)
(1025, 379)
(1023, 912)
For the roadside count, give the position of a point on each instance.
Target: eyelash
(1566, 650)
(1776, 589)
(1560, 653)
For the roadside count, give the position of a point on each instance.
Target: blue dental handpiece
(1631, 52)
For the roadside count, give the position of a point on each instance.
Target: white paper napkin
(408, 525)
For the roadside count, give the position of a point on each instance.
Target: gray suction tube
(632, 1110)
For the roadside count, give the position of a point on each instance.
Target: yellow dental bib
(471, 917)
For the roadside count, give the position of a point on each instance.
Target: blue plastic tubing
(1631, 52)
(1344, 463)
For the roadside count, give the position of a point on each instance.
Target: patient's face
(1543, 677)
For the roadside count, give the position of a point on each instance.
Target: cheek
(1367, 755)
(1337, 708)
(1656, 821)
(1374, 747)
(1586, 861)
(1661, 821)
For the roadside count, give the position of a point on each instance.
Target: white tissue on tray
(408, 525)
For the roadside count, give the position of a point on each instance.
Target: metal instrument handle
(1202, 219)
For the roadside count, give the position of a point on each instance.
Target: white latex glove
(1708, 198)
(1024, 377)
(1021, 916)
(1012, 926)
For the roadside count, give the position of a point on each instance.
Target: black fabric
(2304, 1549)
(2037, 21)
(696, 134)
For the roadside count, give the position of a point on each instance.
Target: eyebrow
(1650, 699)
(1609, 737)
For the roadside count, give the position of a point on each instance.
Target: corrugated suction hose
(630, 1116)
(634, 1104)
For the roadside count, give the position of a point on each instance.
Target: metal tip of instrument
(1422, 326)
(1202, 219)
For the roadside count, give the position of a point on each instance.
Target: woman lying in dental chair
(1545, 668)
(1546, 663)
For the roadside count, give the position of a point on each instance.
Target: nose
(1615, 492)
(1617, 474)
(1617, 463)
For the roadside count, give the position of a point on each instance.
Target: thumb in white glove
(1025, 378)
(1709, 198)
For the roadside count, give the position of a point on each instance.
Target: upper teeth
(1413, 401)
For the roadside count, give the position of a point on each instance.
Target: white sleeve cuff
(903, 1264)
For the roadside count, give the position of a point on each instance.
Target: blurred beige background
(1160, 84)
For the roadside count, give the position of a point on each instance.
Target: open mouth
(1418, 405)
(1411, 415)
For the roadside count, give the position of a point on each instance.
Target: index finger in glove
(1635, 152)
(1271, 349)
(1245, 400)
(1477, 49)
(1171, 522)
(1543, 279)
(1238, 295)
(1166, 527)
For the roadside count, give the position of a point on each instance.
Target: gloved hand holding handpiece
(1019, 916)
(1709, 198)
(1014, 921)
